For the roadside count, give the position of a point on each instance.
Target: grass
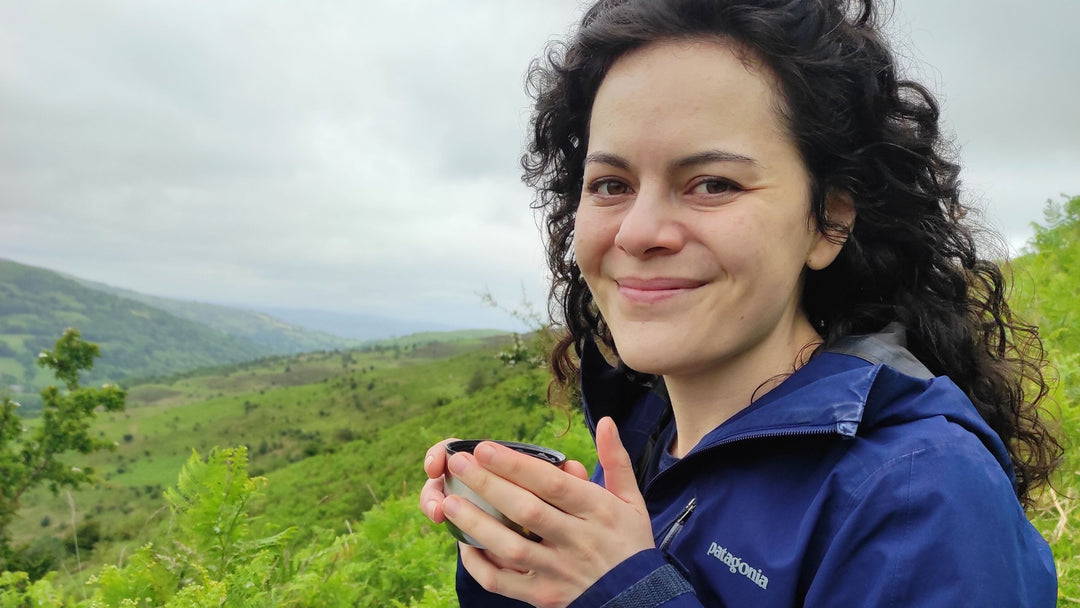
(8, 365)
(1058, 514)
(308, 421)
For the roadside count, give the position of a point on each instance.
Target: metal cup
(453, 486)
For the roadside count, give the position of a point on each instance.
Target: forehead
(689, 86)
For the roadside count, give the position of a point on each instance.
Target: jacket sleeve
(936, 527)
(645, 580)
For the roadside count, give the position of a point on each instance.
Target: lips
(649, 290)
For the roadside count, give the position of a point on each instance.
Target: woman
(819, 396)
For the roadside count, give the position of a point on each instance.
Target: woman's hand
(431, 495)
(587, 530)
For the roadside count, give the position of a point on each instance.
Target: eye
(608, 187)
(714, 186)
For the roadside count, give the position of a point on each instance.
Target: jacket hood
(860, 383)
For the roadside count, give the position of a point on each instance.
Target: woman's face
(694, 228)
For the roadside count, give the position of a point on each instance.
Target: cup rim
(540, 452)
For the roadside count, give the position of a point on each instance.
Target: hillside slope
(281, 337)
(36, 305)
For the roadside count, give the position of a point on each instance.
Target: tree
(1047, 286)
(29, 459)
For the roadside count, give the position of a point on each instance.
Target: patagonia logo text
(737, 566)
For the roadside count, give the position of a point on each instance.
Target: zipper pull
(678, 524)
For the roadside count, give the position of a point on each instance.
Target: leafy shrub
(215, 557)
(86, 535)
(39, 557)
(17, 591)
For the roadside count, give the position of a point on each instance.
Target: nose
(650, 226)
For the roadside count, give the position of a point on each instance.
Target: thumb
(619, 477)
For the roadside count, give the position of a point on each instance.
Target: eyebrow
(700, 158)
(712, 156)
(605, 158)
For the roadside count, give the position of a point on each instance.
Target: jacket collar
(862, 382)
(839, 380)
(841, 385)
(834, 393)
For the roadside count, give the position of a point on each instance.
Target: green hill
(334, 433)
(257, 327)
(145, 336)
(36, 305)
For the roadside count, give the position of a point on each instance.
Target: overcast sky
(362, 155)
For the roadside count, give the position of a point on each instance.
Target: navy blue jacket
(861, 480)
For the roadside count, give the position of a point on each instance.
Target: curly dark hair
(861, 130)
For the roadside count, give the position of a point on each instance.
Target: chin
(655, 347)
(641, 358)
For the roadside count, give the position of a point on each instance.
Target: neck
(701, 400)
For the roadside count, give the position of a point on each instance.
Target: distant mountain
(357, 326)
(139, 335)
(142, 335)
(136, 339)
(280, 334)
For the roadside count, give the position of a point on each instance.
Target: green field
(335, 434)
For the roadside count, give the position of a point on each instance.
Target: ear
(840, 211)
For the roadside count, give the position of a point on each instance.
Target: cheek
(590, 241)
(758, 245)
(736, 241)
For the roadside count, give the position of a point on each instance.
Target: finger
(512, 549)
(619, 477)
(530, 586)
(499, 562)
(576, 469)
(568, 492)
(515, 501)
(431, 498)
(484, 568)
(435, 459)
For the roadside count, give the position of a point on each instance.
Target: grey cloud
(363, 155)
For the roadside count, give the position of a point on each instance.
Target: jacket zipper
(677, 525)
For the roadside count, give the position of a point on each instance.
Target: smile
(646, 291)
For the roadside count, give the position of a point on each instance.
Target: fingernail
(428, 460)
(484, 452)
(614, 430)
(457, 464)
(450, 506)
(429, 508)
